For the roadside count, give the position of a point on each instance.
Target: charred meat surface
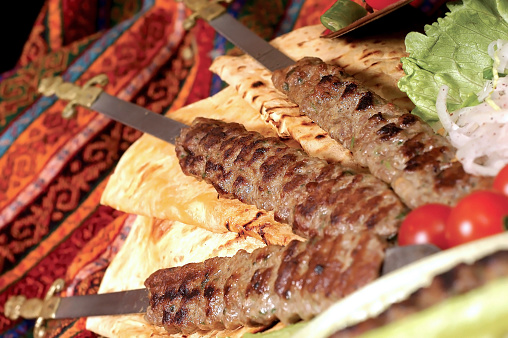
(397, 147)
(315, 197)
(457, 281)
(272, 283)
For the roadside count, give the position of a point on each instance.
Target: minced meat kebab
(313, 196)
(396, 146)
(272, 283)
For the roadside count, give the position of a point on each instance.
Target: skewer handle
(42, 309)
(207, 10)
(76, 95)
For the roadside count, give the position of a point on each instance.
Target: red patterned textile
(54, 170)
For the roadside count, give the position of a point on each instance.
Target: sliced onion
(498, 51)
(479, 133)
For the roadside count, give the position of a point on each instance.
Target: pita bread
(148, 181)
(154, 244)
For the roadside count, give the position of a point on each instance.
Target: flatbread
(374, 61)
(148, 180)
(154, 244)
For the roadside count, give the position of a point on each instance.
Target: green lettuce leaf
(452, 52)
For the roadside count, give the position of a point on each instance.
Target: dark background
(16, 20)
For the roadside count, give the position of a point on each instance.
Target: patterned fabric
(54, 170)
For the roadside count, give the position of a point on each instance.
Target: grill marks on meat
(396, 146)
(272, 283)
(457, 281)
(313, 196)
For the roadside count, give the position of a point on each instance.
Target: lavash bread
(172, 209)
(160, 190)
(175, 209)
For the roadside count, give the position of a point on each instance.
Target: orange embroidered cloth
(54, 170)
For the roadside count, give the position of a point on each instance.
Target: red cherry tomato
(479, 214)
(501, 181)
(380, 4)
(425, 224)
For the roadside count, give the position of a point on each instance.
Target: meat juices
(316, 198)
(397, 147)
(272, 283)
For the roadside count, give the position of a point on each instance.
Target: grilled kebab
(272, 283)
(396, 146)
(315, 197)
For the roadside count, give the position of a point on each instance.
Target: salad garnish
(456, 78)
